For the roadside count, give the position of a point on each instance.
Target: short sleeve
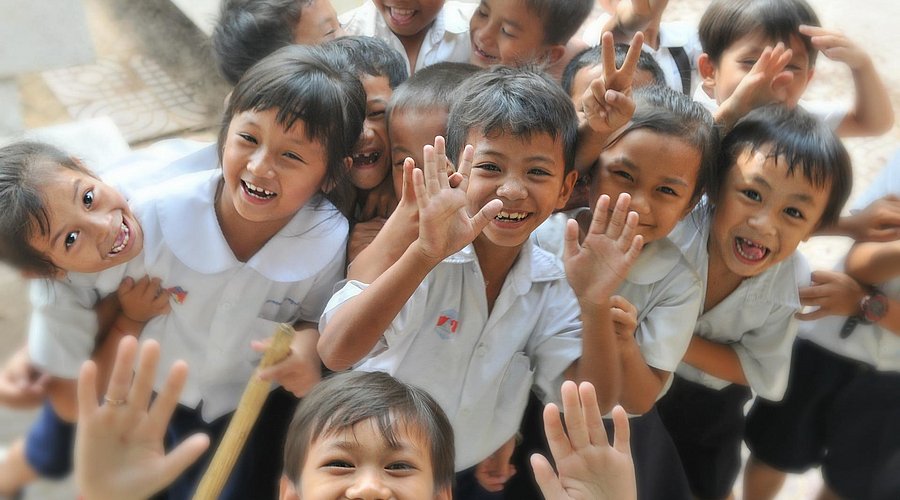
(666, 330)
(556, 341)
(765, 353)
(63, 327)
(318, 297)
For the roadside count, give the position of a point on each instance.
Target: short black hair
(518, 101)
(249, 30)
(804, 142)
(431, 87)
(372, 56)
(727, 21)
(311, 84)
(592, 56)
(561, 18)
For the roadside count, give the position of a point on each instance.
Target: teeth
(121, 246)
(257, 191)
(366, 158)
(402, 12)
(504, 215)
(750, 250)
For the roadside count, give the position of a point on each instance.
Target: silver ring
(114, 402)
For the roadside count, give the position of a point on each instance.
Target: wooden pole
(244, 417)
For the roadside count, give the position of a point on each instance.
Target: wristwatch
(872, 308)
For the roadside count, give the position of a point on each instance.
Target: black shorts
(707, 426)
(837, 413)
(49, 444)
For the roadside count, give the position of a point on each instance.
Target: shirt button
(481, 350)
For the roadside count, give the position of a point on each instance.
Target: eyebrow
(76, 187)
(667, 180)
(498, 154)
(801, 197)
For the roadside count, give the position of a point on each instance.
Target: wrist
(421, 256)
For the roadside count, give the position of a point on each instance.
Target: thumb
(126, 285)
(571, 239)
(547, 480)
(182, 457)
(486, 214)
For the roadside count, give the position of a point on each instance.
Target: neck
(495, 262)
(412, 44)
(725, 281)
(244, 237)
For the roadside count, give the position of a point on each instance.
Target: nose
(258, 164)
(485, 35)
(638, 203)
(368, 485)
(101, 226)
(762, 222)
(512, 189)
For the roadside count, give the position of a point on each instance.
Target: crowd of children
(461, 208)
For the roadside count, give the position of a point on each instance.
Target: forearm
(398, 233)
(641, 383)
(599, 362)
(718, 360)
(356, 326)
(873, 263)
(588, 147)
(872, 113)
(63, 398)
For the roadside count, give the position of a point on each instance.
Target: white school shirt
(661, 285)
(220, 304)
(63, 325)
(480, 367)
(756, 319)
(671, 34)
(447, 39)
(870, 344)
(830, 113)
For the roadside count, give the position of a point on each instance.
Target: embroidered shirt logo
(447, 323)
(178, 294)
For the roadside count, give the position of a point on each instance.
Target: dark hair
(518, 101)
(249, 30)
(343, 400)
(372, 56)
(802, 141)
(561, 18)
(727, 21)
(666, 111)
(22, 203)
(431, 87)
(310, 84)
(591, 56)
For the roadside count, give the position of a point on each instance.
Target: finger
(455, 180)
(812, 315)
(620, 103)
(260, 345)
(557, 439)
(166, 400)
(883, 235)
(126, 285)
(546, 479)
(637, 243)
(465, 166)
(440, 161)
(486, 215)
(629, 230)
(595, 96)
(623, 304)
(179, 459)
(619, 216)
(810, 31)
(87, 390)
(631, 57)
(608, 56)
(593, 419)
(600, 216)
(622, 438)
(418, 178)
(120, 379)
(574, 416)
(571, 246)
(408, 193)
(432, 184)
(145, 376)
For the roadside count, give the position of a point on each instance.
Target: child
(425, 32)
(288, 130)
(367, 433)
(516, 32)
(764, 51)
(585, 67)
(248, 31)
(841, 408)
(492, 318)
(782, 175)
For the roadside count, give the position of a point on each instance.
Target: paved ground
(154, 31)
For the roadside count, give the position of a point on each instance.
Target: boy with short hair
(763, 51)
(586, 65)
(424, 31)
(472, 311)
(517, 32)
(249, 30)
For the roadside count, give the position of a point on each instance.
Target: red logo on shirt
(178, 294)
(447, 324)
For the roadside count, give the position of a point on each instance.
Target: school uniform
(829, 113)
(842, 407)
(480, 367)
(704, 414)
(447, 39)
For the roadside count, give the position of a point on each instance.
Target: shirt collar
(189, 226)
(533, 265)
(656, 261)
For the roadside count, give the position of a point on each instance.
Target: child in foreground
(782, 174)
(356, 435)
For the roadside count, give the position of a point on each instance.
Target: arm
(588, 467)
(301, 370)
(119, 451)
(641, 383)
(595, 269)
(719, 360)
(837, 294)
(874, 263)
(444, 228)
(879, 221)
(872, 113)
(21, 386)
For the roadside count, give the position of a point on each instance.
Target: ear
(565, 191)
(287, 490)
(707, 70)
(555, 53)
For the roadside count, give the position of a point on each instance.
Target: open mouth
(122, 239)
(482, 54)
(257, 192)
(363, 160)
(750, 250)
(507, 216)
(401, 16)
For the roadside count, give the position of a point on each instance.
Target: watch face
(875, 307)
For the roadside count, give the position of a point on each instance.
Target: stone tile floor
(154, 36)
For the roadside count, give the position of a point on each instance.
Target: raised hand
(119, 453)
(879, 221)
(607, 102)
(597, 266)
(836, 46)
(766, 82)
(445, 226)
(588, 467)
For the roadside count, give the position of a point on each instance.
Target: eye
(667, 190)
(538, 171)
(793, 212)
(400, 466)
(294, 156)
(506, 32)
(747, 62)
(247, 137)
(339, 464)
(480, 11)
(752, 194)
(376, 114)
(88, 198)
(623, 174)
(489, 167)
(71, 238)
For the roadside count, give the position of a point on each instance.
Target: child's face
(505, 32)
(359, 463)
(763, 214)
(318, 23)
(584, 77)
(270, 173)
(371, 162)
(410, 130)
(91, 226)
(660, 179)
(738, 59)
(526, 174)
(408, 17)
